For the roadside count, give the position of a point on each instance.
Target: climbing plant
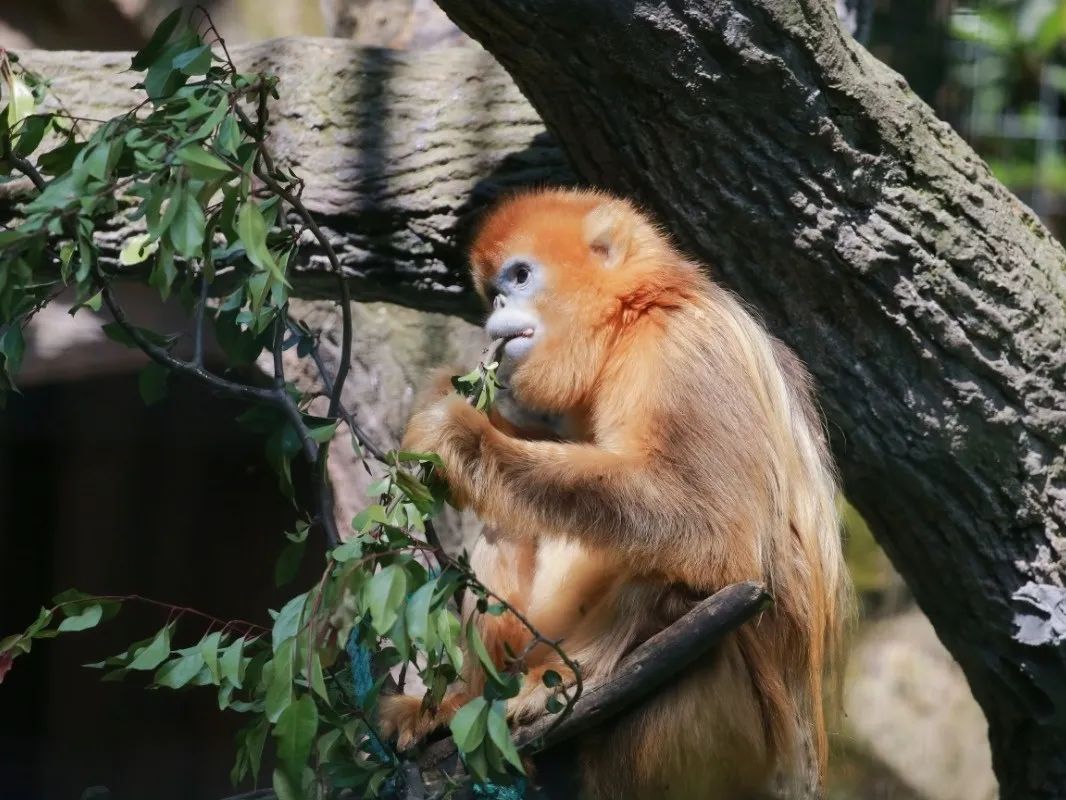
(219, 222)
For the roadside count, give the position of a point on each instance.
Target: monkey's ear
(609, 232)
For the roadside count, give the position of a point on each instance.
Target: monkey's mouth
(502, 345)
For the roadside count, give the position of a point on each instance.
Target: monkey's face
(552, 268)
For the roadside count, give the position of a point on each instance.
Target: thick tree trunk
(930, 304)
(399, 151)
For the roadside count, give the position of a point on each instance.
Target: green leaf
(186, 231)
(448, 629)
(285, 787)
(137, 249)
(178, 672)
(317, 678)
(500, 735)
(320, 430)
(231, 663)
(30, 133)
(209, 652)
(60, 159)
(12, 348)
(469, 724)
(473, 638)
(98, 159)
(39, 624)
(193, 62)
(203, 165)
(288, 622)
(87, 618)
(229, 136)
(369, 517)
(144, 57)
(384, 595)
(254, 739)
(252, 231)
(155, 653)
(20, 100)
(152, 383)
(417, 614)
(279, 693)
(347, 551)
(288, 563)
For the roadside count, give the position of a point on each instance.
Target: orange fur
(704, 464)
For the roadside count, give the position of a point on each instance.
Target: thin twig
(27, 169)
(198, 324)
(162, 357)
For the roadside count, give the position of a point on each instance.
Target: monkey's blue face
(514, 316)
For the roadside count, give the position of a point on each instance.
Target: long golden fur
(696, 460)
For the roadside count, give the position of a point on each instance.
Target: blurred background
(104, 494)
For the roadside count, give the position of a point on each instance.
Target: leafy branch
(220, 221)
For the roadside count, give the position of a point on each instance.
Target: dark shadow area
(174, 502)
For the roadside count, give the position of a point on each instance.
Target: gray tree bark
(929, 303)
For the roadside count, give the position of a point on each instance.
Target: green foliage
(480, 385)
(190, 166)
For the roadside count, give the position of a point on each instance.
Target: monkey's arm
(531, 487)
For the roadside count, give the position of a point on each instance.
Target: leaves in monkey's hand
(479, 386)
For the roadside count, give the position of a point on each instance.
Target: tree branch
(642, 673)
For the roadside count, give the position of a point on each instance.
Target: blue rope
(493, 791)
(362, 684)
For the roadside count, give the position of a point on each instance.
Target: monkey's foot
(402, 717)
(531, 702)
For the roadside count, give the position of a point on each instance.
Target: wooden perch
(643, 672)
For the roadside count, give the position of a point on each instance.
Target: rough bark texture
(930, 304)
(399, 152)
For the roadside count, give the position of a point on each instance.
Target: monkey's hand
(453, 429)
(437, 387)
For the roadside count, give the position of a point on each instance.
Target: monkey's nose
(499, 301)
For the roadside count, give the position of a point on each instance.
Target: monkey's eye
(521, 274)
